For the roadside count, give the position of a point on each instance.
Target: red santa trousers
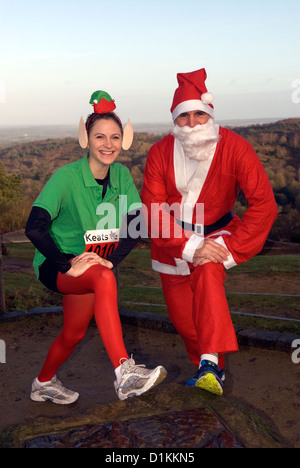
(198, 309)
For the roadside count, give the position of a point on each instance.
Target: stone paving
(197, 428)
(176, 417)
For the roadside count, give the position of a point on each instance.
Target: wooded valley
(25, 167)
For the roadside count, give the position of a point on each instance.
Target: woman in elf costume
(79, 226)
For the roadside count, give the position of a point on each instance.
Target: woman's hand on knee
(93, 257)
(86, 257)
(84, 261)
(80, 267)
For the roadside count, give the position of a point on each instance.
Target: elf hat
(191, 94)
(104, 104)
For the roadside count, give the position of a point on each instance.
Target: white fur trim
(230, 262)
(192, 105)
(164, 268)
(190, 190)
(192, 244)
(182, 267)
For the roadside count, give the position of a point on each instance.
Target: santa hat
(191, 94)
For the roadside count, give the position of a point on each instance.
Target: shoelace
(56, 381)
(130, 364)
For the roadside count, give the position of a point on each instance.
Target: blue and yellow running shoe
(208, 377)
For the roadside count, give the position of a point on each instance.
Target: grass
(267, 303)
(270, 264)
(139, 289)
(24, 292)
(25, 251)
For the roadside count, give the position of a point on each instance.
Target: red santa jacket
(214, 186)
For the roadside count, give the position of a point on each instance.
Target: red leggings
(93, 293)
(198, 309)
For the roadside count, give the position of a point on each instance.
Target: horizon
(170, 123)
(10, 135)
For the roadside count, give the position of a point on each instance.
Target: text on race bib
(102, 242)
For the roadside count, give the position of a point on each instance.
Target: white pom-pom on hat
(207, 98)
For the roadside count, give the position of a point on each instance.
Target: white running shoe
(54, 391)
(137, 379)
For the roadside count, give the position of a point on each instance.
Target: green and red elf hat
(104, 104)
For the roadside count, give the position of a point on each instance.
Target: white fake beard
(199, 142)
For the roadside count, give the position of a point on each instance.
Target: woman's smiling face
(105, 144)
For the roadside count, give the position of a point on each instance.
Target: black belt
(198, 228)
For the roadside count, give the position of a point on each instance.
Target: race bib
(102, 242)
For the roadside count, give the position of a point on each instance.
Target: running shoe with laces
(137, 379)
(208, 377)
(53, 391)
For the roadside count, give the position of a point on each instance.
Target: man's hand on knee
(210, 251)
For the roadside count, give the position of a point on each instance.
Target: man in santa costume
(191, 182)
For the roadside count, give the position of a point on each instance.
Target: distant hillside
(37, 160)
(277, 145)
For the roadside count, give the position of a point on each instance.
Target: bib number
(102, 242)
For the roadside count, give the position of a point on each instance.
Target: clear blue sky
(55, 53)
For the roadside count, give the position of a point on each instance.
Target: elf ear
(127, 136)
(82, 134)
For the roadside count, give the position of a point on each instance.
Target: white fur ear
(127, 136)
(82, 134)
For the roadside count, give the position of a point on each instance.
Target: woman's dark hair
(93, 118)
